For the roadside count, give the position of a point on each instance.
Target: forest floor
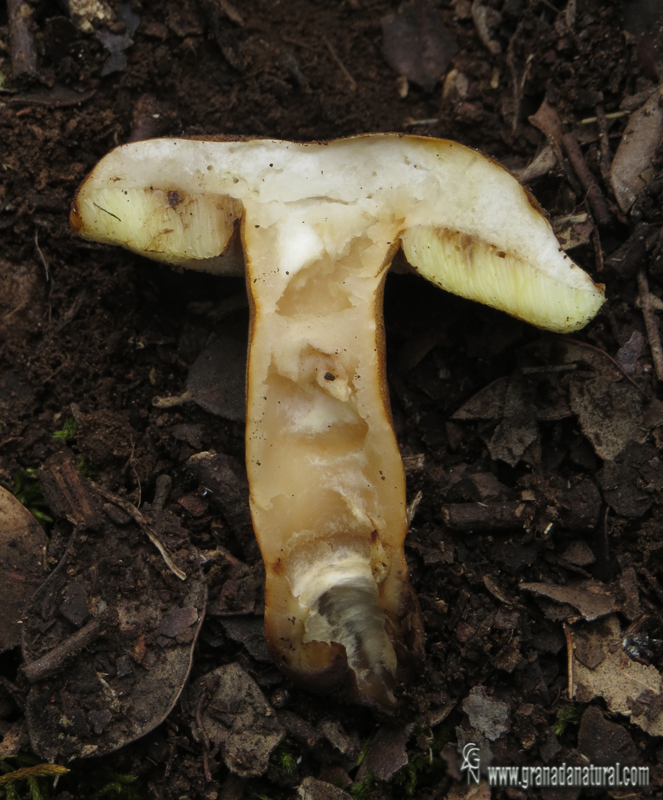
(536, 547)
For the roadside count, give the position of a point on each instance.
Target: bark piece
(22, 40)
(66, 492)
(225, 479)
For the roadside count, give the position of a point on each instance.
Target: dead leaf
(15, 739)
(237, 717)
(609, 414)
(216, 381)
(592, 599)
(312, 789)
(101, 698)
(633, 165)
(22, 547)
(487, 403)
(628, 687)
(387, 754)
(574, 230)
(630, 483)
(487, 715)
(545, 397)
(417, 44)
(518, 429)
(603, 742)
(628, 355)
(250, 632)
(579, 553)
(115, 44)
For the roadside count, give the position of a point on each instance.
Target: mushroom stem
(327, 481)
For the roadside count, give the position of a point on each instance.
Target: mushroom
(319, 225)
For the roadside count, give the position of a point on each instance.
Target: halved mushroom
(320, 224)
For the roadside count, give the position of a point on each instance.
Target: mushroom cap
(463, 221)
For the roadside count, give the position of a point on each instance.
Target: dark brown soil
(553, 476)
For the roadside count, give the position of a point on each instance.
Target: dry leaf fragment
(97, 699)
(609, 414)
(216, 381)
(417, 44)
(237, 718)
(22, 543)
(486, 18)
(487, 715)
(633, 165)
(628, 687)
(592, 599)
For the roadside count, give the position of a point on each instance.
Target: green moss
(68, 431)
(259, 789)
(27, 779)
(27, 490)
(362, 790)
(424, 767)
(286, 756)
(567, 715)
(365, 747)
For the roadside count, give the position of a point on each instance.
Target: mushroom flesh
(319, 225)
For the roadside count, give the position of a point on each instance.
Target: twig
(651, 325)
(147, 529)
(655, 302)
(609, 357)
(22, 40)
(547, 121)
(595, 198)
(53, 660)
(611, 115)
(206, 742)
(598, 250)
(518, 83)
(41, 255)
(161, 492)
(296, 42)
(79, 302)
(605, 161)
(412, 508)
(341, 65)
(569, 659)
(487, 516)
(232, 13)
(47, 272)
(414, 123)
